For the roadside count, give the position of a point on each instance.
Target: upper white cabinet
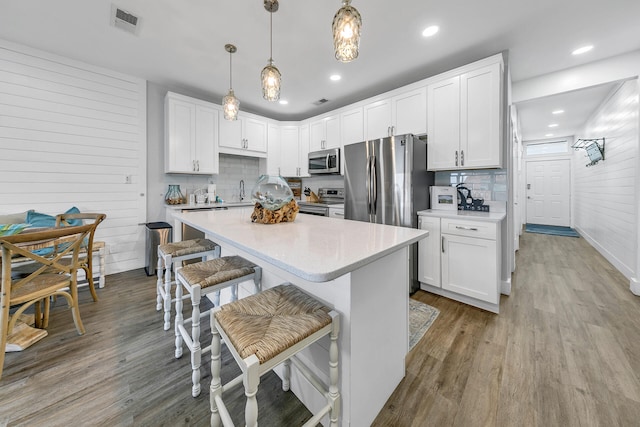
(274, 152)
(303, 149)
(325, 133)
(246, 136)
(464, 119)
(191, 131)
(287, 154)
(352, 126)
(400, 114)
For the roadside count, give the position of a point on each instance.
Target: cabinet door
(443, 124)
(352, 126)
(230, 134)
(429, 251)
(480, 118)
(469, 267)
(377, 119)
(274, 152)
(332, 132)
(409, 112)
(316, 135)
(180, 137)
(303, 150)
(206, 147)
(289, 165)
(255, 134)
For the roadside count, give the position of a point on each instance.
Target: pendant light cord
(230, 71)
(271, 36)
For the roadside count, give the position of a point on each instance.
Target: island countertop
(314, 248)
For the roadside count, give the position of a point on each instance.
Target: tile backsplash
(487, 184)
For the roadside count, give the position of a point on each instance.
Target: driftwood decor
(287, 213)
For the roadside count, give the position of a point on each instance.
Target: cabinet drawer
(483, 230)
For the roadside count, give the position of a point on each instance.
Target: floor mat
(551, 229)
(421, 317)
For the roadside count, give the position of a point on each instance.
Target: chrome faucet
(242, 190)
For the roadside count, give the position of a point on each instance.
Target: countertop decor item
(174, 195)
(230, 103)
(286, 213)
(271, 192)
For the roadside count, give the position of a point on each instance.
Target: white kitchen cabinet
(274, 150)
(464, 119)
(191, 131)
(460, 259)
(336, 212)
(246, 136)
(325, 133)
(400, 114)
(287, 156)
(303, 150)
(429, 251)
(352, 126)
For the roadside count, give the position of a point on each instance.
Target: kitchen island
(359, 269)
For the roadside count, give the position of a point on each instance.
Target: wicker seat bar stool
(264, 330)
(200, 279)
(170, 256)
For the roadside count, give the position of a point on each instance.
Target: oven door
(314, 210)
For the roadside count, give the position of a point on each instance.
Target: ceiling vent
(124, 20)
(320, 101)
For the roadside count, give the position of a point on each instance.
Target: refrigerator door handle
(374, 185)
(368, 183)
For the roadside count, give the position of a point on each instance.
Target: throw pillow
(11, 229)
(15, 218)
(37, 219)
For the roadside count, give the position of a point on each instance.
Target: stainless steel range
(329, 198)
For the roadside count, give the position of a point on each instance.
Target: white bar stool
(200, 279)
(171, 255)
(264, 330)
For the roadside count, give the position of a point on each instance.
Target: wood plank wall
(605, 195)
(72, 134)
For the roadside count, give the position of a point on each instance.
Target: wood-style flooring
(564, 351)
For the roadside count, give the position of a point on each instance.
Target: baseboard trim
(505, 287)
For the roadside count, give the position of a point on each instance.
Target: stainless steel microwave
(325, 161)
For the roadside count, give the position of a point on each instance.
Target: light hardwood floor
(564, 351)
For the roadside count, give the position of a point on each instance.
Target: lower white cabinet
(460, 259)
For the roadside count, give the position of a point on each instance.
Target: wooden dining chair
(51, 278)
(86, 255)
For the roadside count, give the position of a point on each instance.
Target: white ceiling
(181, 43)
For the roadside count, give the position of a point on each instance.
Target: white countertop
(312, 247)
(196, 206)
(466, 215)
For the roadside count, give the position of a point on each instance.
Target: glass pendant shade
(347, 25)
(231, 106)
(271, 79)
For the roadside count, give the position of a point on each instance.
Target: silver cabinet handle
(456, 157)
(393, 130)
(459, 227)
(193, 165)
(461, 157)
(442, 244)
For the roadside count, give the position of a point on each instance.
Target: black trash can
(158, 233)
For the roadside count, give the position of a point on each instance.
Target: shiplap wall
(605, 195)
(70, 135)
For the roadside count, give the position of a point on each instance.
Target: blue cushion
(37, 219)
(11, 229)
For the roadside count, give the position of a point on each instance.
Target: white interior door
(548, 192)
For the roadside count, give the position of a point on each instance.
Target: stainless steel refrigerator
(386, 182)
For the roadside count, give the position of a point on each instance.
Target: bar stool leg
(196, 353)
(216, 383)
(286, 374)
(167, 292)
(334, 394)
(159, 283)
(251, 381)
(179, 320)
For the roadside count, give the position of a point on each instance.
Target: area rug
(421, 317)
(551, 229)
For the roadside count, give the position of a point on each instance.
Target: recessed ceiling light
(557, 112)
(335, 77)
(430, 31)
(553, 125)
(548, 135)
(581, 50)
(283, 102)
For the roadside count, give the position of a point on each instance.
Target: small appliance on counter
(467, 203)
(326, 199)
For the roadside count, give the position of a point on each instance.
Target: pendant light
(347, 24)
(230, 103)
(270, 75)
